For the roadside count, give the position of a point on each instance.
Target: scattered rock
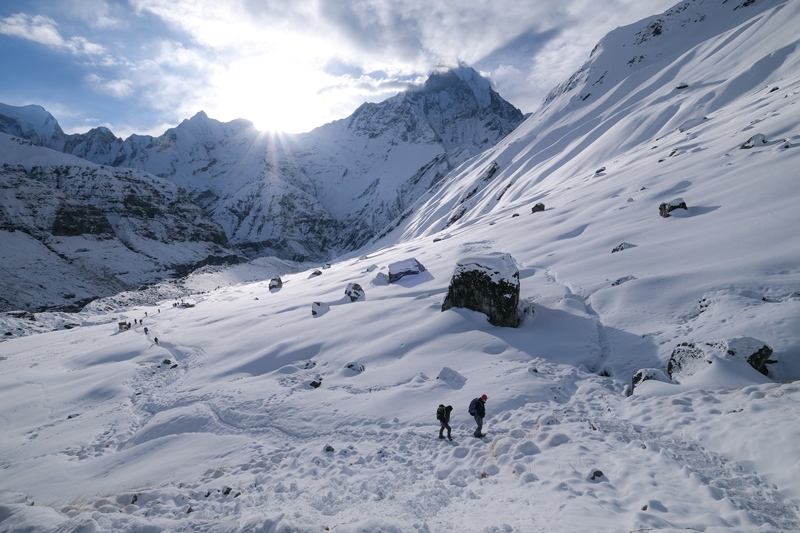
(538, 207)
(166, 362)
(380, 279)
(401, 269)
(354, 292)
(599, 170)
(647, 374)
(329, 448)
(596, 474)
(315, 384)
(358, 368)
(515, 215)
(275, 284)
(452, 377)
(489, 285)
(756, 140)
(623, 279)
(682, 85)
(622, 246)
(319, 308)
(666, 208)
(688, 358)
(315, 274)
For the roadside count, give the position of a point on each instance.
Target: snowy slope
(100, 433)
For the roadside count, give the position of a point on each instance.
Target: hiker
(145, 331)
(135, 322)
(477, 408)
(156, 340)
(443, 416)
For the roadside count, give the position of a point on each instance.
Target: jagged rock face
(307, 196)
(72, 231)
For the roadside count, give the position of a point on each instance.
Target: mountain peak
(447, 78)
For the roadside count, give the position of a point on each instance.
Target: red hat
(484, 397)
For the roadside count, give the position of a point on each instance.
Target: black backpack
(440, 412)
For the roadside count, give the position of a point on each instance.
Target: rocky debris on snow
(646, 374)
(401, 269)
(515, 215)
(315, 383)
(275, 284)
(756, 140)
(329, 448)
(623, 279)
(597, 474)
(380, 279)
(319, 308)
(354, 292)
(315, 274)
(538, 207)
(452, 377)
(622, 246)
(688, 358)
(600, 170)
(489, 285)
(682, 85)
(665, 209)
(355, 367)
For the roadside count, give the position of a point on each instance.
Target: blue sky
(142, 66)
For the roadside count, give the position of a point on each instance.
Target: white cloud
(43, 30)
(38, 29)
(117, 88)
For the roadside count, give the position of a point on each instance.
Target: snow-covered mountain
(312, 195)
(239, 410)
(72, 231)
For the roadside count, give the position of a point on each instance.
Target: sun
(273, 94)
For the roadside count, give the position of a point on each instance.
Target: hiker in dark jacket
(477, 408)
(443, 416)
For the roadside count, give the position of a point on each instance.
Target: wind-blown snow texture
(101, 433)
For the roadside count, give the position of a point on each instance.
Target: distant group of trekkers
(477, 409)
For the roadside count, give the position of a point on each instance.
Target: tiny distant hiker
(155, 340)
(477, 408)
(145, 331)
(443, 416)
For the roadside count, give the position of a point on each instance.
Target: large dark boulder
(688, 358)
(665, 209)
(489, 285)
